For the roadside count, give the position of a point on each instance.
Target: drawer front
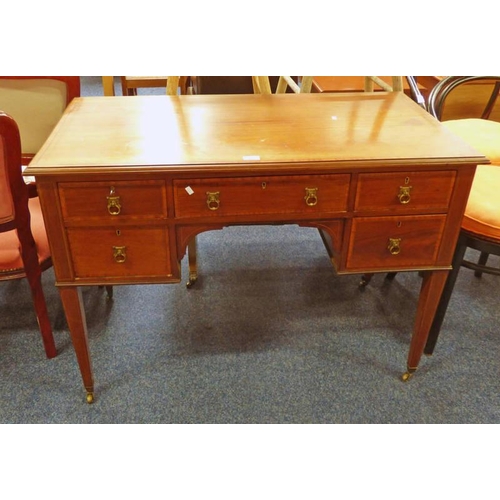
(261, 195)
(142, 199)
(392, 243)
(404, 191)
(119, 253)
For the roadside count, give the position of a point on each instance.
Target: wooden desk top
(176, 132)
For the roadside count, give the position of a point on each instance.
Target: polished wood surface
(378, 129)
(132, 180)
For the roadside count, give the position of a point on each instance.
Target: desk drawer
(113, 200)
(392, 243)
(125, 252)
(261, 195)
(404, 191)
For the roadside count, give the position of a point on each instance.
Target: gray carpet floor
(269, 334)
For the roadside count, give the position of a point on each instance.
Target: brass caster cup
(192, 280)
(90, 397)
(407, 375)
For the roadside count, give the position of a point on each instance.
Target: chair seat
(482, 214)
(483, 135)
(10, 255)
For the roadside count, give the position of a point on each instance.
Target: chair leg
(482, 262)
(109, 290)
(42, 315)
(446, 295)
(34, 277)
(366, 278)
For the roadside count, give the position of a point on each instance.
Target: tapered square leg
(75, 315)
(430, 294)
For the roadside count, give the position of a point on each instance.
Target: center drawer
(261, 195)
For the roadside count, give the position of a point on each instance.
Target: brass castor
(90, 397)
(362, 284)
(407, 375)
(365, 279)
(192, 280)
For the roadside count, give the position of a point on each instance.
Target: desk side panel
(54, 225)
(458, 203)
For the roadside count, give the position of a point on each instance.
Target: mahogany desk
(126, 182)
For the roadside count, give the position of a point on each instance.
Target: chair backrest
(6, 204)
(466, 97)
(36, 103)
(265, 84)
(261, 84)
(229, 84)
(14, 210)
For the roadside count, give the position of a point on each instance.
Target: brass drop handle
(213, 200)
(120, 254)
(311, 196)
(114, 202)
(394, 245)
(404, 194)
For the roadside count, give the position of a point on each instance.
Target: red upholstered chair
(24, 249)
(36, 103)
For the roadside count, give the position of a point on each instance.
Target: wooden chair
(24, 248)
(475, 96)
(305, 85)
(262, 85)
(413, 86)
(216, 85)
(130, 84)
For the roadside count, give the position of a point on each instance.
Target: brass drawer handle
(120, 254)
(394, 245)
(404, 194)
(311, 196)
(213, 200)
(114, 202)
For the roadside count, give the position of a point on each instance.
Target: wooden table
(125, 183)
